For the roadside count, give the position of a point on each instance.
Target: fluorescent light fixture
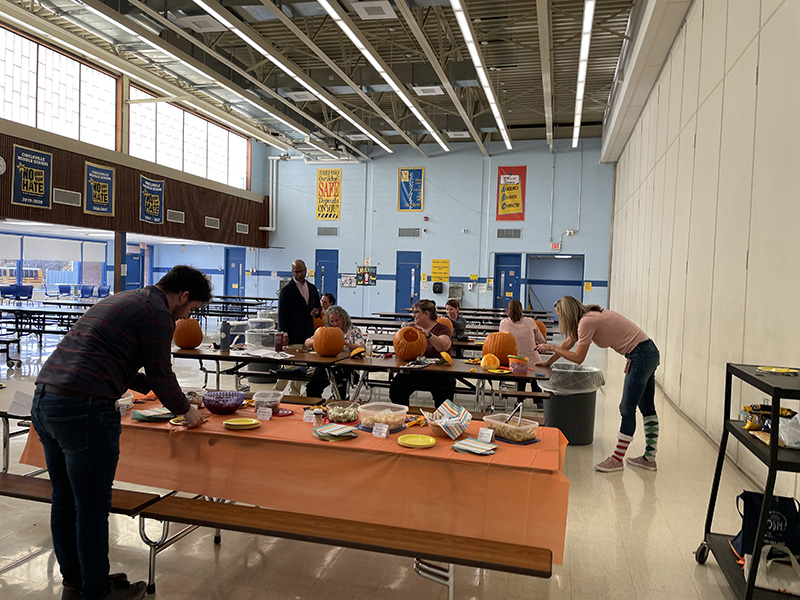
(477, 61)
(563, 256)
(311, 142)
(378, 66)
(105, 17)
(583, 65)
(214, 13)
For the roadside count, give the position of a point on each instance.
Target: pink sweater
(527, 334)
(609, 329)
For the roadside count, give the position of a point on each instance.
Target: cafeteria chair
(23, 292)
(49, 294)
(64, 289)
(103, 291)
(87, 291)
(7, 292)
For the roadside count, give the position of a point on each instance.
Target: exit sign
(555, 246)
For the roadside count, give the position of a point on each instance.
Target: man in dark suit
(298, 304)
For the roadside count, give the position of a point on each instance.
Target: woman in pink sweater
(581, 325)
(527, 334)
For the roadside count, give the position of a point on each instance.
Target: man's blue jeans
(80, 436)
(639, 388)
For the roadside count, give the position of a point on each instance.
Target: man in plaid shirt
(75, 416)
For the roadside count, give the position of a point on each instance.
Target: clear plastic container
(268, 399)
(394, 415)
(516, 430)
(342, 411)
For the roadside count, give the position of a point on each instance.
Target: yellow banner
(440, 270)
(511, 195)
(329, 194)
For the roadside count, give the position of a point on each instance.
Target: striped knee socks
(651, 437)
(623, 441)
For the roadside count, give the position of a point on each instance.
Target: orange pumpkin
(328, 341)
(501, 344)
(188, 334)
(490, 362)
(542, 327)
(319, 322)
(409, 343)
(447, 323)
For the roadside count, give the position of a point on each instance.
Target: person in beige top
(528, 336)
(581, 325)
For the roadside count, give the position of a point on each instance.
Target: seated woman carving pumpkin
(438, 340)
(335, 316)
(528, 336)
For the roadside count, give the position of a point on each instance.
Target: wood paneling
(195, 201)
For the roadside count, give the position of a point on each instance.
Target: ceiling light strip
(369, 53)
(477, 60)
(583, 64)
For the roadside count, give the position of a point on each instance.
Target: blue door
(551, 276)
(135, 276)
(326, 272)
(506, 278)
(234, 271)
(407, 279)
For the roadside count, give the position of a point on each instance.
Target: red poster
(511, 193)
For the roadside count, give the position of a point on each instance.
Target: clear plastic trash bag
(567, 379)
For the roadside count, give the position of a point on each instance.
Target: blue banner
(32, 178)
(151, 200)
(98, 190)
(410, 185)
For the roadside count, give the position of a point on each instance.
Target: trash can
(571, 405)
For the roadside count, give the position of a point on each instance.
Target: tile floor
(630, 535)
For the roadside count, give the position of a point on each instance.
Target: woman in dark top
(439, 340)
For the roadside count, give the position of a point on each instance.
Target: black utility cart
(777, 459)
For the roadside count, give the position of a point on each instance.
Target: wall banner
(98, 190)
(151, 200)
(511, 193)
(440, 269)
(410, 185)
(329, 194)
(367, 275)
(32, 178)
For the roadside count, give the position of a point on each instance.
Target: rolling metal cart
(775, 458)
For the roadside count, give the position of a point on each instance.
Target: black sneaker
(134, 591)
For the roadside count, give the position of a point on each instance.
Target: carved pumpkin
(409, 343)
(447, 358)
(319, 322)
(328, 341)
(489, 362)
(542, 327)
(501, 344)
(188, 334)
(447, 323)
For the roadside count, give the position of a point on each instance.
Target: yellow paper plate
(500, 371)
(777, 370)
(415, 440)
(241, 423)
(179, 420)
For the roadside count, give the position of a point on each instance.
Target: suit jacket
(294, 315)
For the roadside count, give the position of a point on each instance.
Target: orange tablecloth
(518, 495)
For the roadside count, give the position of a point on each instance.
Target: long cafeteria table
(517, 495)
(386, 325)
(39, 320)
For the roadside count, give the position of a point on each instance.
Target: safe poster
(32, 178)
(511, 193)
(98, 191)
(329, 194)
(410, 187)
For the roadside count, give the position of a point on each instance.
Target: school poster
(32, 184)
(151, 200)
(511, 193)
(98, 190)
(329, 194)
(410, 187)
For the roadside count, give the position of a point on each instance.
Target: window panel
(217, 153)
(17, 78)
(195, 136)
(169, 136)
(237, 161)
(58, 103)
(98, 113)
(142, 126)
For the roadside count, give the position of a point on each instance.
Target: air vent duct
(67, 197)
(176, 216)
(212, 222)
(509, 233)
(408, 232)
(328, 231)
(243, 228)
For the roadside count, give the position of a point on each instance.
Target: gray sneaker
(609, 465)
(643, 463)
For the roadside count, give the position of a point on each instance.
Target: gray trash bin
(571, 405)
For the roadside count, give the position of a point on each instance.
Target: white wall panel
(772, 288)
(675, 89)
(742, 26)
(662, 97)
(667, 227)
(733, 230)
(712, 62)
(691, 62)
(651, 327)
(700, 258)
